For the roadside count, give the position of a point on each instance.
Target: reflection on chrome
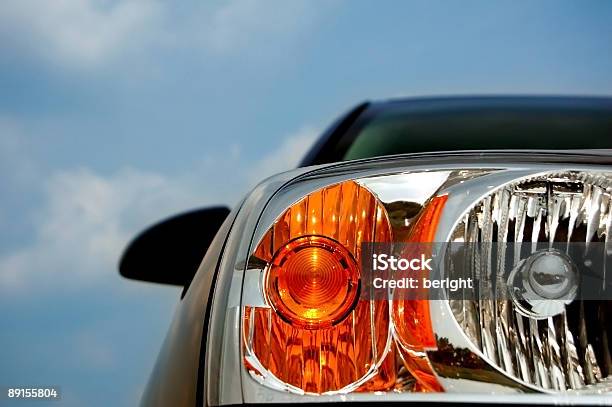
(542, 338)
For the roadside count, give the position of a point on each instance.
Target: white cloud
(16, 166)
(239, 24)
(86, 218)
(287, 156)
(17, 169)
(85, 221)
(89, 34)
(66, 275)
(80, 33)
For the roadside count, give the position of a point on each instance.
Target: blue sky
(116, 113)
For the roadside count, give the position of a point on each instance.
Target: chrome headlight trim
(224, 369)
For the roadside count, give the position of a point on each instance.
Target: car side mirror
(170, 251)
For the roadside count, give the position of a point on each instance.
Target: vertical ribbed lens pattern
(570, 347)
(310, 253)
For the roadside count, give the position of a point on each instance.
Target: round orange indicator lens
(312, 282)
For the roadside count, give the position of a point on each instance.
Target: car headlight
(548, 327)
(309, 324)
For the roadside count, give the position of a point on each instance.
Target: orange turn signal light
(312, 282)
(317, 334)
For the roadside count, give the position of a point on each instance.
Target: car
(278, 305)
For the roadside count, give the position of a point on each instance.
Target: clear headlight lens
(533, 318)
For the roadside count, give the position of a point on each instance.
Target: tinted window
(422, 126)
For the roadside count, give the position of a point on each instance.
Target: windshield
(425, 127)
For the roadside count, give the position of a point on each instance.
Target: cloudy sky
(114, 114)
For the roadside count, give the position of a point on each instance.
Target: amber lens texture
(312, 282)
(318, 336)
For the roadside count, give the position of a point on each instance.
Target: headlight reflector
(538, 333)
